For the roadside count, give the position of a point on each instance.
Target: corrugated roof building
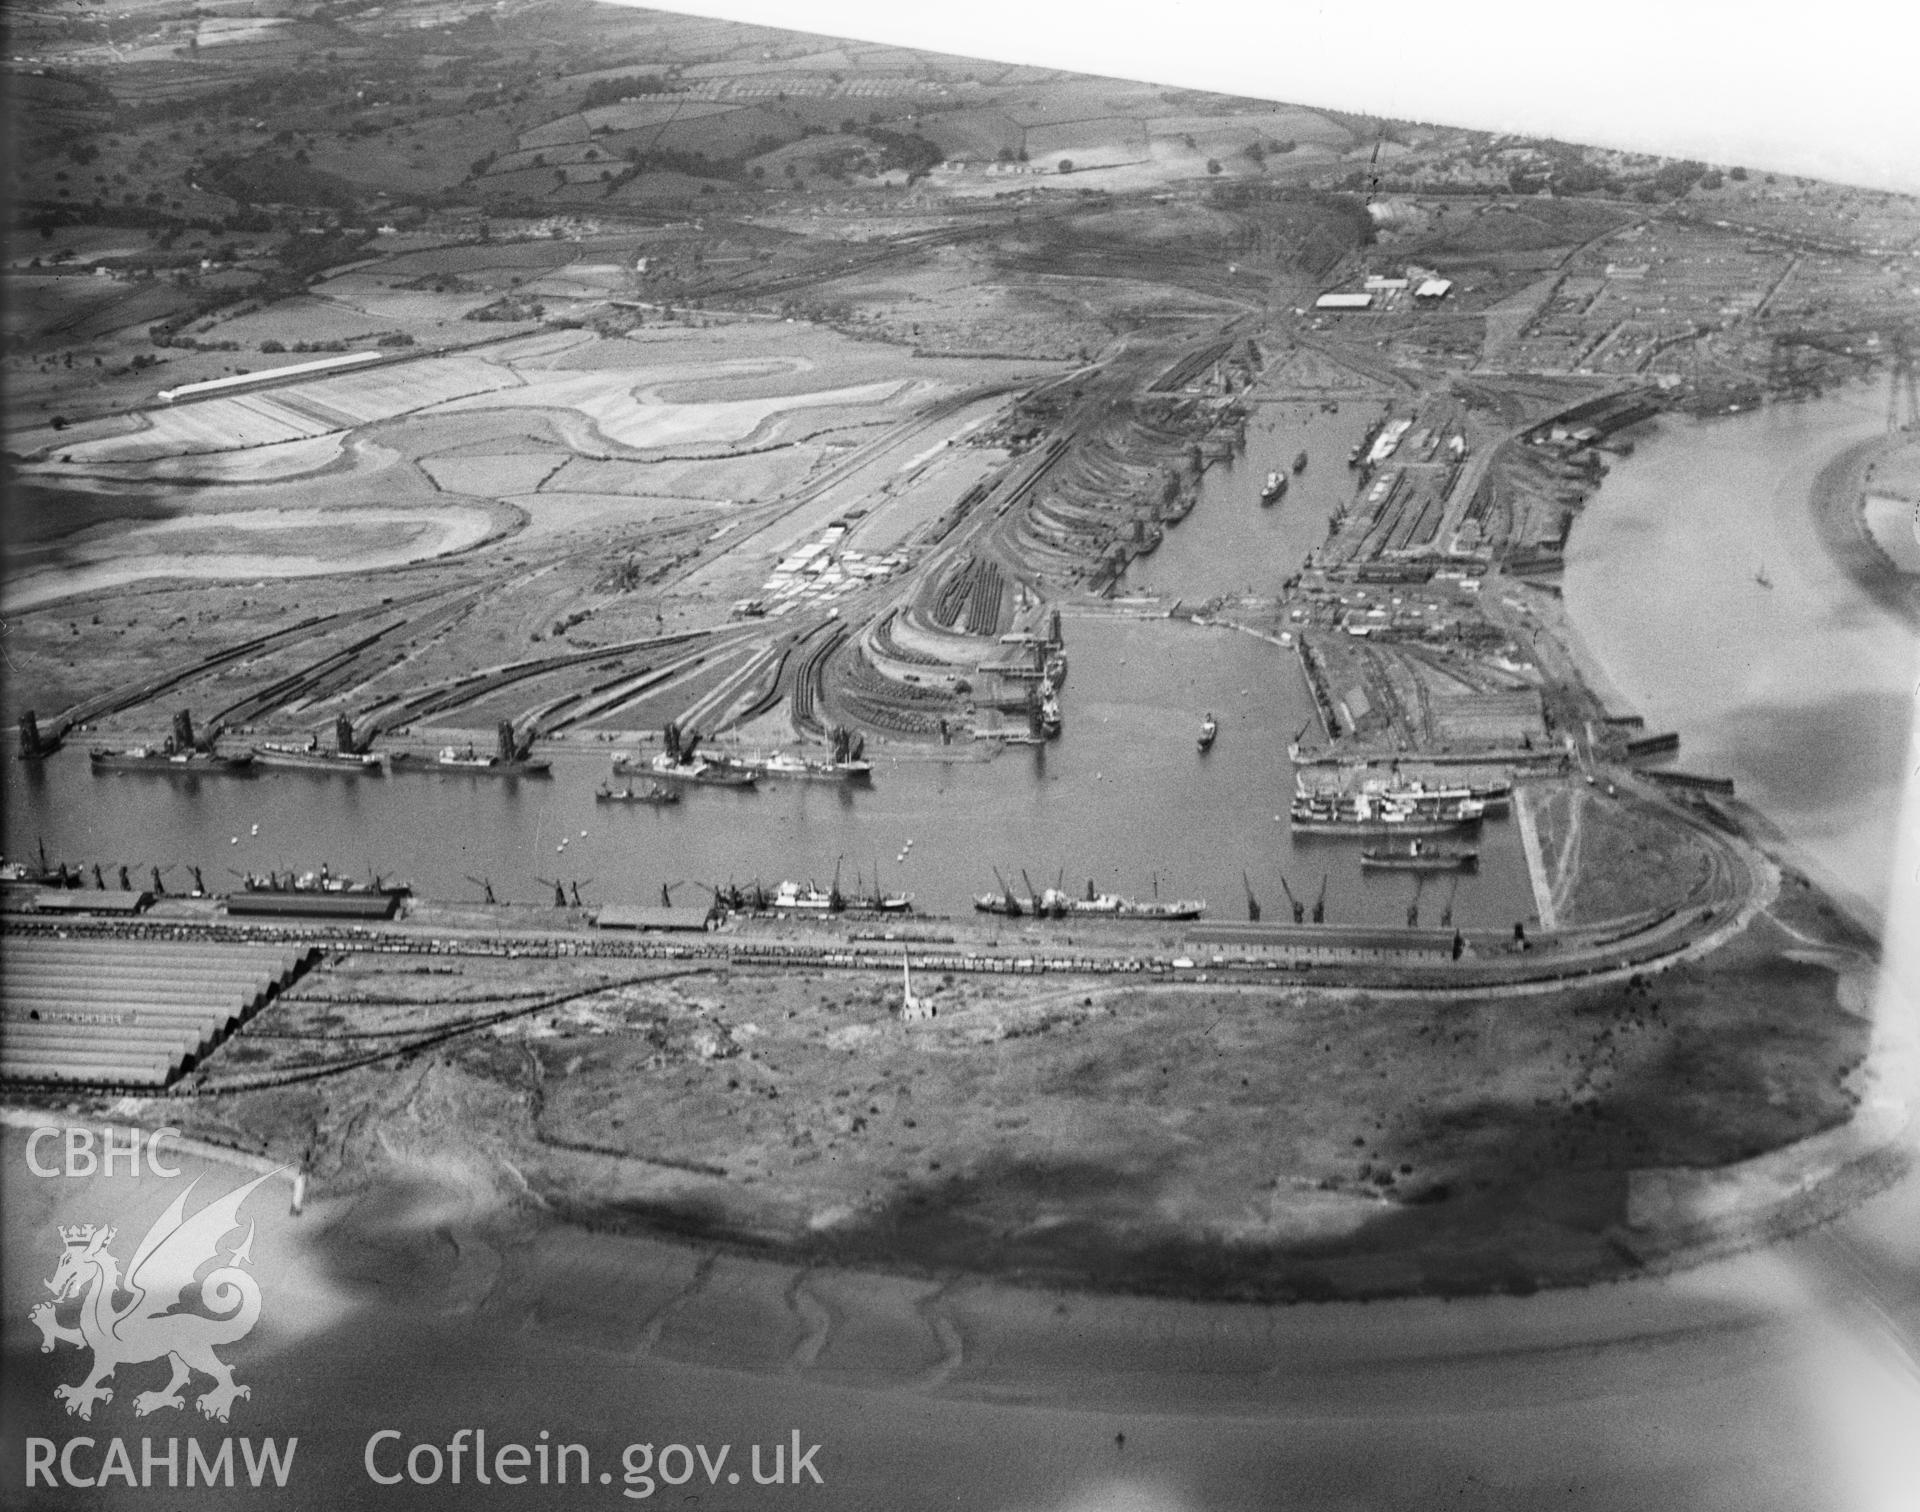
(129, 1013)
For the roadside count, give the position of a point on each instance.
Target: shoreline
(966, 1336)
(1837, 505)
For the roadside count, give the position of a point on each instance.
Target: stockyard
(709, 395)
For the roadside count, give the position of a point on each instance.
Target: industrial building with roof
(129, 1013)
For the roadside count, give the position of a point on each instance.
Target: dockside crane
(559, 892)
(1299, 908)
(1446, 914)
(1320, 903)
(1253, 903)
(485, 884)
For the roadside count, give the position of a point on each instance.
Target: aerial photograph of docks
(1099, 795)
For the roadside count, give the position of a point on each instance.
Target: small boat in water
(1209, 730)
(654, 793)
(1420, 856)
(1300, 462)
(1275, 486)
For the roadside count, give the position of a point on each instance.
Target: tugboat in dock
(1209, 730)
(509, 760)
(181, 756)
(1421, 857)
(1275, 486)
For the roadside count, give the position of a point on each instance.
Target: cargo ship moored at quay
(311, 757)
(696, 773)
(510, 759)
(165, 761)
(181, 755)
(1384, 814)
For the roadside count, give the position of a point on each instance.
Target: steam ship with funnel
(681, 763)
(311, 758)
(1053, 903)
(848, 762)
(510, 759)
(182, 755)
(1386, 813)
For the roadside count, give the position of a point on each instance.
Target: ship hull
(319, 761)
(1435, 825)
(846, 772)
(688, 776)
(197, 765)
(1390, 861)
(1124, 908)
(532, 768)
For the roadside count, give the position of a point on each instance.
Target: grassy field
(1280, 1143)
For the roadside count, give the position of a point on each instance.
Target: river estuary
(1800, 687)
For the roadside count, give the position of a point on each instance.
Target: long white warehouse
(236, 381)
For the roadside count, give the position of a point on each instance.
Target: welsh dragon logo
(146, 1326)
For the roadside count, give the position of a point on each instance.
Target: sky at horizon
(1823, 91)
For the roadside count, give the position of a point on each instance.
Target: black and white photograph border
(1017, 758)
